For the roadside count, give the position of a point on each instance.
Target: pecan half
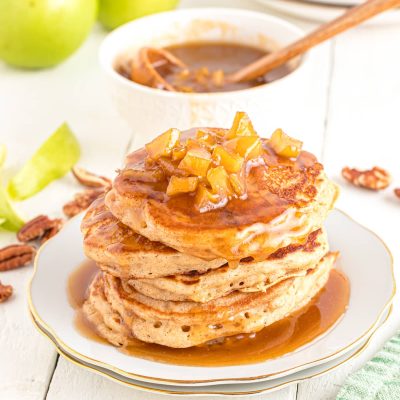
(397, 192)
(82, 201)
(57, 224)
(373, 179)
(5, 292)
(38, 228)
(16, 256)
(90, 179)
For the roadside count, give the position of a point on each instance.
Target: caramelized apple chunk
(284, 145)
(170, 167)
(178, 153)
(218, 179)
(205, 200)
(196, 162)
(178, 185)
(214, 164)
(241, 126)
(206, 138)
(248, 147)
(230, 161)
(163, 145)
(145, 175)
(238, 184)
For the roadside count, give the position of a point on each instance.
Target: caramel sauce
(209, 57)
(265, 200)
(276, 340)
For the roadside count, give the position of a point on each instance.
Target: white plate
(365, 260)
(321, 12)
(248, 389)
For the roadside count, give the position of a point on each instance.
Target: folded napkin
(379, 379)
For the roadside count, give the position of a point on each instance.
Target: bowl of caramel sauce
(153, 94)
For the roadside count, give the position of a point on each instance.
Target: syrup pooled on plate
(276, 340)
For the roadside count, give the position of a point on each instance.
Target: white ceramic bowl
(151, 111)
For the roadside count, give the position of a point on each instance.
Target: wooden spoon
(351, 18)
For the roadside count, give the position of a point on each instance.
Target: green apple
(113, 13)
(42, 33)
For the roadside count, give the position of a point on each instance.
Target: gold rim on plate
(60, 344)
(282, 385)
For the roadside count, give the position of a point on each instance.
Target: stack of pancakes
(175, 276)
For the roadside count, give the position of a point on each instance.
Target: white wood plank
(363, 130)
(83, 384)
(32, 105)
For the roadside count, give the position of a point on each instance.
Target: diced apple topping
(248, 147)
(196, 162)
(178, 153)
(238, 184)
(147, 175)
(178, 185)
(284, 145)
(229, 160)
(205, 200)
(170, 167)
(163, 145)
(211, 166)
(241, 126)
(206, 138)
(218, 179)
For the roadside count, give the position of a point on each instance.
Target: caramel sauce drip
(276, 340)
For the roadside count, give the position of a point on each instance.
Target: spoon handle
(352, 17)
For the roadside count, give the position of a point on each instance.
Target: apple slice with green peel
(9, 219)
(57, 155)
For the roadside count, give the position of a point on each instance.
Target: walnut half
(374, 179)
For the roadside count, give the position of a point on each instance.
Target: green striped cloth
(379, 379)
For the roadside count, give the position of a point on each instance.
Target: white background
(356, 97)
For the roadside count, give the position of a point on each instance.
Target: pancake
(126, 254)
(247, 276)
(286, 200)
(185, 324)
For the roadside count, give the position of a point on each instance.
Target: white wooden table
(356, 98)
